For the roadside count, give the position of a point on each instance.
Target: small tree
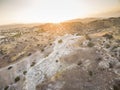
(17, 79)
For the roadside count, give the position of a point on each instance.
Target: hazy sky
(28, 11)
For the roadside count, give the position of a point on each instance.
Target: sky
(34, 11)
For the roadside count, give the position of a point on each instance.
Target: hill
(72, 55)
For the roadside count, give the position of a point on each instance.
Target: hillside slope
(64, 56)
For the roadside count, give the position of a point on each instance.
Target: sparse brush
(17, 79)
(79, 63)
(40, 30)
(87, 37)
(90, 73)
(107, 46)
(6, 88)
(108, 36)
(17, 35)
(9, 67)
(42, 49)
(24, 72)
(29, 54)
(90, 44)
(33, 63)
(60, 41)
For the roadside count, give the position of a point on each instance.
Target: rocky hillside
(64, 56)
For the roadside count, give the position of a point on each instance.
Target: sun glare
(30, 11)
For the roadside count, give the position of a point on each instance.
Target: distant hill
(81, 25)
(85, 20)
(104, 23)
(73, 26)
(92, 24)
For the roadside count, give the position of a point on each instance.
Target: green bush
(24, 72)
(17, 79)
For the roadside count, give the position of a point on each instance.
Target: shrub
(60, 41)
(78, 34)
(50, 44)
(110, 65)
(87, 37)
(33, 63)
(24, 72)
(118, 41)
(114, 47)
(90, 44)
(116, 85)
(56, 61)
(90, 73)
(1, 52)
(79, 63)
(29, 54)
(107, 46)
(41, 30)
(17, 79)
(99, 59)
(42, 49)
(17, 35)
(108, 36)
(9, 67)
(6, 88)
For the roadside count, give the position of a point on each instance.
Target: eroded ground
(65, 56)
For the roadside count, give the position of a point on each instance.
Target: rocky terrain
(72, 55)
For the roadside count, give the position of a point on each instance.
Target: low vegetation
(90, 44)
(60, 41)
(29, 54)
(17, 79)
(33, 63)
(42, 50)
(108, 36)
(90, 73)
(79, 63)
(9, 67)
(24, 72)
(87, 37)
(6, 88)
(17, 35)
